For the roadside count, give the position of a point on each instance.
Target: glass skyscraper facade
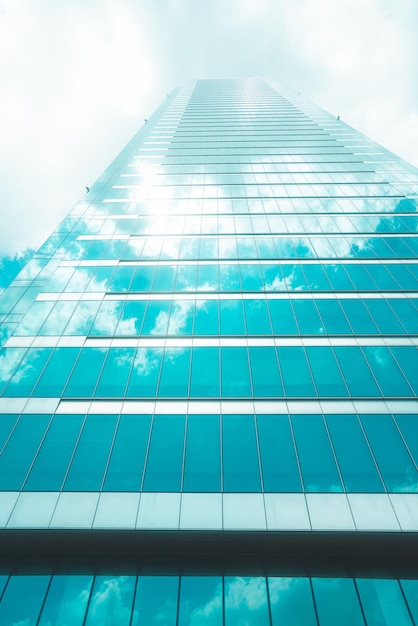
(209, 376)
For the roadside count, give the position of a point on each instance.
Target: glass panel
(115, 373)
(145, 373)
(246, 601)
(337, 602)
(90, 458)
(156, 601)
(130, 322)
(241, 471)
(296, 375)
(282, 317)
(386, 371)
(357, 375)
(317, 463)
(126, 465)
(232, 317)
(165, 456)
(204, 380)
(308, 317)
(257, 317)
(207, 317)
(383, 603)
(174, 379)
(291, 602)
(410, 589)
(25, 378)
(202, 471)
(111, 601)
(325, 371)
(85, 373)
(277, 453)
(265, 372)
(333, 317)
(200, 601)
(66, 601)
(22, 600)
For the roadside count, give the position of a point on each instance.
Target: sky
(78, 78)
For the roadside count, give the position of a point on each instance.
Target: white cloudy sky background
(78, 78)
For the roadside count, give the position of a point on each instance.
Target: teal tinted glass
(257, 317)
(235, 373)
(115, 373)
(202, 469)
(23, 599)
(383, 603)
(174, 378)
(337, 602)
(66, 601)
(144, 373)
(265, 372)
(277, 454)
(111, 601)
(207, 317)
(326, 373)
(357, 374)
(165, 456)
(204, 380)
(239, 605)
(30, 369)
(297, 378)
(241, 470)
(232, 317)
(282, 317)
(200, 601)
(85, 374)
(291, 602)
(156, 601)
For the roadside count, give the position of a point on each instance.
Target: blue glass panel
(164, 278)
(294, 278)
(317, 463)
(386, 371)
(291, 602)
(230, 277)
(356, 373)
(85, 373)
(325, 371)
(181, 318)
(200, 601)
(333, 317)
(30, 369)
(410, 589)
(251, 277)
(126, 465)
(82, 318)
(204, 380)
(257, 317)
(111, 601)
(296, 375)
(56, 373)
(240, 604)
(337, 602)
(407, 314)
(338, 278)
(232, 317)
(22, 600)
(90, 458)
(241, 471)
(186, 279)
(208, 277)
(383, 316)
(66, 601)
(407, 358)
(202, 471)
(207, 317)
(48, 471)
(145, 373)
(7, 421)
(20, 450)
(165, 456)
(265, 372)
(115, 373)
(174, 379)
(156, 318)
(121, 279)
(353, 454)
(393, 459)
(316, 277)
(382, 277)
(383, 603)
(282, 317)
(277, 453)
(273, 278)
(359, 317)
(130, 322)
(156, 601)
(235, 372)
(408, 425)
(143, 279)
(307, 317)
(107, 318)
(360, 277)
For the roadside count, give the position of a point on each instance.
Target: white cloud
(77, 80)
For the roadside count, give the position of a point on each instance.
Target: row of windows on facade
(86, 600)
(209, 453)
(224, 317)
(210, 372)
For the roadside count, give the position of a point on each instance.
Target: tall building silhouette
(208, 380)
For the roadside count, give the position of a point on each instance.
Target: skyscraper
(208, 380)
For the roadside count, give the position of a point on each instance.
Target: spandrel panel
(111, 601)
(90, 458)
(66, 601)
(392, 457)
(277, 453)
(20, 450)
(22, 600)
(240, 605)
(202, 470)
(115, 373)
(145, 373)
(235, 375)
(165, 457)
(85, 373)
(291, 602)
(204, 381)
(52, 461)
(240, 463)
(354, 457)
(318, 467)
(156, 601)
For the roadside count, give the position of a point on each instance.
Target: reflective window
(241, 470)
(337, 596)
(111, 601)
(277, 452)
(66, 601)
(165, 456)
